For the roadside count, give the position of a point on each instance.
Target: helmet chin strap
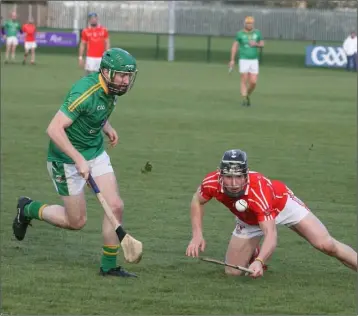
(234, 195)
(111, 87)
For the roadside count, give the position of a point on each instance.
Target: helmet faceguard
(234, 173)
(124, 87)
(119, 70)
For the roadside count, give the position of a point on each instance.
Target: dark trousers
(352, 62)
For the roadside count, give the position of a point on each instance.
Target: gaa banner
(55, 39)
(325, 56)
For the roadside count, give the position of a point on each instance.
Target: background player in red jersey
(263, 203)
(30, 40)
(96, 38)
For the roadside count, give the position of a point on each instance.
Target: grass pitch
(181, 117)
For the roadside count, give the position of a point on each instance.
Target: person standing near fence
(10, 30)
(96, 38)
(30, 45)
(248, 41)
(350, 48)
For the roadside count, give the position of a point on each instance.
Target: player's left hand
(253, 43)
(257, 267)
(112, 136)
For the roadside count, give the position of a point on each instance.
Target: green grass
(181, 117)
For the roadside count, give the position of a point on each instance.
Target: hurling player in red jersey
(30, 41)
(96, 38)
(259, 204)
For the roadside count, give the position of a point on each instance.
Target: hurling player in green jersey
(10, 29)
(77, 148)
(247, 41)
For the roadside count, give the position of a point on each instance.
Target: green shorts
(68, 181)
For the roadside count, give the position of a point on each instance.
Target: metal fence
(212, 19)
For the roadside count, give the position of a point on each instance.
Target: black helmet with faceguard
(234, 164)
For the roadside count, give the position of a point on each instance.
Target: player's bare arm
(108, 43)
(81, 52)
(107, 127)
(234, 49)
(56, 131)
(268, 247)
(111, 134)
(270, 239)
(196, 213)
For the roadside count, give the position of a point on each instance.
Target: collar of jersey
(103, 84)
(247, 188)
(247, 184)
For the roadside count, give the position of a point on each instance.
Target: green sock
(109, 257)
(34, 210)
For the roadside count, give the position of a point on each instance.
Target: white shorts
(68, 181)
(249, 66)
(294, 211)
(30, 45)
(12, 40)
(92, 63)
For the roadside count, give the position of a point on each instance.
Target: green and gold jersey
(89, 106)
(11, 28)
(244, 38)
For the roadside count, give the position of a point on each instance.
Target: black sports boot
(119, 272)
(21, 222)
(248, 101)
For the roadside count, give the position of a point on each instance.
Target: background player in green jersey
(248, 41)
(10, 30)
(77, 148)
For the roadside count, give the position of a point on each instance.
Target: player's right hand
(231, 64)
(196, 244)
(83, 168)
(81, 63)
(257, 267)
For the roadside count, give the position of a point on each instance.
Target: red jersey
(265, 198)
(95, 37)
(30, 31)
